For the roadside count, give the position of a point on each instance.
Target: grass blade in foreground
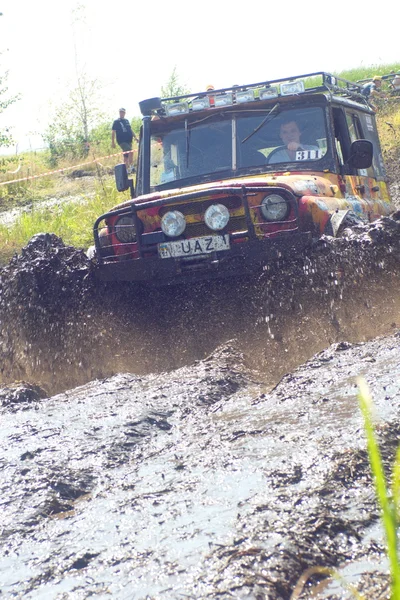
(389, 519)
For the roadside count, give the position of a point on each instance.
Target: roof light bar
(294, 87)
(268, 92)
(223, 99)
(201, 103)
(178, 108)
(244, 96)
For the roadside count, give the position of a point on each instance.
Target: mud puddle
(196, 483)
(196, 459)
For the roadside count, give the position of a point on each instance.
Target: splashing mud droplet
(60, 327)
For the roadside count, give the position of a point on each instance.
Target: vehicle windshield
(235, 141)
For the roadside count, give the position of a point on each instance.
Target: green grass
(71, 221)
(368, 71)
(388, 498)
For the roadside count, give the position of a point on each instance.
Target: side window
(356, 133)
(370, 133)
(342, 140)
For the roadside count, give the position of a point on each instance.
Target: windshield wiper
(272, 113)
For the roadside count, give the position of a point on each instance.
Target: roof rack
(388, 76)
(319, 81)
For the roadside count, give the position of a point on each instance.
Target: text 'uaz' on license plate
(194, 246)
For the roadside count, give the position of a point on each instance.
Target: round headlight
(216, 217)
(274, 208)
(173, 223)
(125, 230)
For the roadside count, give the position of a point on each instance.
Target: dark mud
(59, 327)
(197, 483)
(196, 459)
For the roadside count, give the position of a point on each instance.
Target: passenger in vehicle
(290, 135)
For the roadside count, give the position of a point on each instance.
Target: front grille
(201, 229)
(200, 207)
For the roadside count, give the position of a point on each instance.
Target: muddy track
(196, 483)
(196, 459)
(59, 327)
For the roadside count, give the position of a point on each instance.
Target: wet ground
(196, 443)
(9, 217)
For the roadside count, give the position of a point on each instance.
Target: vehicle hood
(299, 184)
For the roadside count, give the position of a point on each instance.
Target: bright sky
(133, 47)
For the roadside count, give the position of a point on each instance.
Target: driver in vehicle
(290, 135)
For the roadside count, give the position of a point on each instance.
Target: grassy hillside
(90, 183)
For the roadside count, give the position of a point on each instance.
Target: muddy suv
(231, 179)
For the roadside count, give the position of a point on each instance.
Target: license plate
(194, 246)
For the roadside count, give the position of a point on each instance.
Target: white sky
(132, 47)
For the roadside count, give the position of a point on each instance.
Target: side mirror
(121, 178)
(361, 152)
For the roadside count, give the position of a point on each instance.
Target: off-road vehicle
(231, 179)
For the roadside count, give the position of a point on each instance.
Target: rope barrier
(89, 162)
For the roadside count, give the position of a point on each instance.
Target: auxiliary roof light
(293, 87)
(268, 92)
(178, 108)
(201, 103)
(223, 99)
(244, 96)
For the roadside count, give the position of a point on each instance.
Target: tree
(173, 87)
(5, 136)
(136, 123)
(71, 129)
(75, 124)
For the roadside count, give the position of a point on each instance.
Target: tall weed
(388, 498)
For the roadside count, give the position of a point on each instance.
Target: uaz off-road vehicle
(231, 179)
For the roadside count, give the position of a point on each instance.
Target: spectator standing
(122, 132)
